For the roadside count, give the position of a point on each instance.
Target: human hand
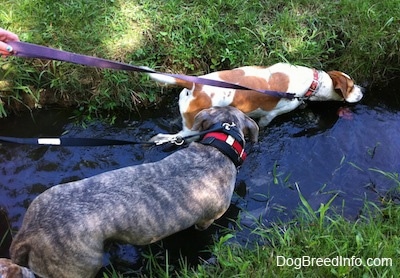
(6, 36)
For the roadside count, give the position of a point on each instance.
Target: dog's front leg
(202, 225)
(283, 106)
(205, 223)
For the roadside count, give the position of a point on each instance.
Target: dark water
(324, 149)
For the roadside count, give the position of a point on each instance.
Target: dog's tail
(170, 80)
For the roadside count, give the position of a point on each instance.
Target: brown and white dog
(305, 83)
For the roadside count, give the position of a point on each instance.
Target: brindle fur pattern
(64, 229)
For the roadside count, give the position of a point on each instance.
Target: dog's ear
(207, 117)
(202, 120)
(251, 129)
(342, 82)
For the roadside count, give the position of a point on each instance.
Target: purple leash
(28, 50)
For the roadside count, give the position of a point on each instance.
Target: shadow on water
(326, 148)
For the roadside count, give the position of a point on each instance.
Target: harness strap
(28, 50)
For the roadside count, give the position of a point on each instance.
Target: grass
(371, 236)
(360, 37)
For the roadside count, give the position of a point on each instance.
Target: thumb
(5, 49)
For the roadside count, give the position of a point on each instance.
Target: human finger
(6, 36)
(5, 49)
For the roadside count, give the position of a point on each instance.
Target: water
(324, 149)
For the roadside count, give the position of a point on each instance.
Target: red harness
(227, 144)
(230, 141)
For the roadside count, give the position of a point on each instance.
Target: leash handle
(28, 50)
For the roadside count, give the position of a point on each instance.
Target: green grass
(372, 236)
(360, 37)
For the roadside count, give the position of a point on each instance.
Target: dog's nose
(360, 93)
(356, 94)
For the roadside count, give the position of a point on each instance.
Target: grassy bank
(287, 249)
(360, 37)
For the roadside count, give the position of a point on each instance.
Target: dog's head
(227, 114)
(345, 87)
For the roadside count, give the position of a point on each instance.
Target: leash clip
(228, 126)
(177, 140)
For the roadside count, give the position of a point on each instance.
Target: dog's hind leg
(71, 260)
(20, 252)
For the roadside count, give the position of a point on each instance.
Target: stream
(325, 149)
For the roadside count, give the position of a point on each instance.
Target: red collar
(227, 144)
(314, 84)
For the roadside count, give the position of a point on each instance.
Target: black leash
(94, 142)
(70, 142)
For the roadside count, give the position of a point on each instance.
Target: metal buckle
(228, 126)
(178, 140)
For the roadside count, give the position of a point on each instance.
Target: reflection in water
(326, 148)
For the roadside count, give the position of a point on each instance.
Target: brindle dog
(64, 229)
